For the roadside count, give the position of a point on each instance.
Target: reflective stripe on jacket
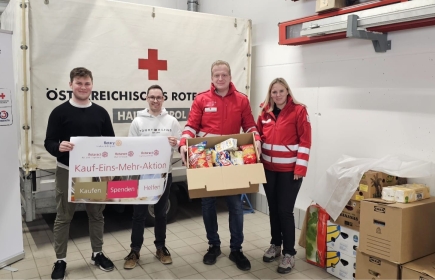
(286, 139)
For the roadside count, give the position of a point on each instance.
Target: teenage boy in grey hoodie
(154, 121)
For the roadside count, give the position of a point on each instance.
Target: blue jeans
(209, 215)
(139, 214)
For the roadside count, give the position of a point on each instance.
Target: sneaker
(131, 260)
(59, 268)
(272, 253)
(241, 261)
(102, 262)
(164, 256)
(286, 265)
(212, 253)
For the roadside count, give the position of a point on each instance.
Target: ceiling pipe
(192, 5)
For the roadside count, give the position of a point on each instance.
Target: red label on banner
(122, 189)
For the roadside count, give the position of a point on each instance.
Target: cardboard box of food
(325, 5)
(226, 180)
(350, 216)
(397, 232)
(372, 182)
(423, 268)
(340, 265)
(342, 239)
(370, 267)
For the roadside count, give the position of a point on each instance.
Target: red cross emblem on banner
(2, 95)
(153, 64)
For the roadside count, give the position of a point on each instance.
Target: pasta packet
(237, 157)
(249, 156)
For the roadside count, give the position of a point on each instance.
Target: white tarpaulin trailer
(128, 47)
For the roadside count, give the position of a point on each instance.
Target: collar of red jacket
(231, 89)
(289, 101)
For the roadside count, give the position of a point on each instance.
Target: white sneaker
(272, 253)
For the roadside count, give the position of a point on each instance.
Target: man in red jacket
(222, 110)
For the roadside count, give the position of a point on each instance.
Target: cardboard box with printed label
(340, 265)
(325, 5)
(350, 216)
(372, 182)
(342, 239)
(227, 180)
(342, 244)
(423, 268)
(397, 232)
(370, 267)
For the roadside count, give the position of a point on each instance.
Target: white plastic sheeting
(341, 179)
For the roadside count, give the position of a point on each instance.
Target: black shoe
(59, 268)
(241, 261)
(212, 254)
(102, 262)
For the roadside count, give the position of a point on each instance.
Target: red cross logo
(2, 95)
(153, 64)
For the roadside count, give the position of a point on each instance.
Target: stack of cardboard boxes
(342, 244)
(393, 234)
(370, 186)
(342, 249)
(423, 268)
(379, 239)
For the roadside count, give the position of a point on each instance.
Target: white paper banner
(118, 170)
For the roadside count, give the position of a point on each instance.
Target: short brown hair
(80, 72)
(154, 87)
(220, 62)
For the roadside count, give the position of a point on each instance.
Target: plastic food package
(249, 156)
(197, 155)
(209, 157)
(406, 193)
(388, 193)
(223, 158)
(315, 244)
(213, 156)
(227, 145)
(237, 157)
(203, 161)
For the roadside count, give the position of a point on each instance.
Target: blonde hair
(268, 101)
(220, 62)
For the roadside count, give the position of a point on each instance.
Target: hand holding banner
(118, 170)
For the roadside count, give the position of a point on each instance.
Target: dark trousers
(138, 224)
(281, 192)
(209, 215)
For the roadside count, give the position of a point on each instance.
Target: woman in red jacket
(285, 131)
